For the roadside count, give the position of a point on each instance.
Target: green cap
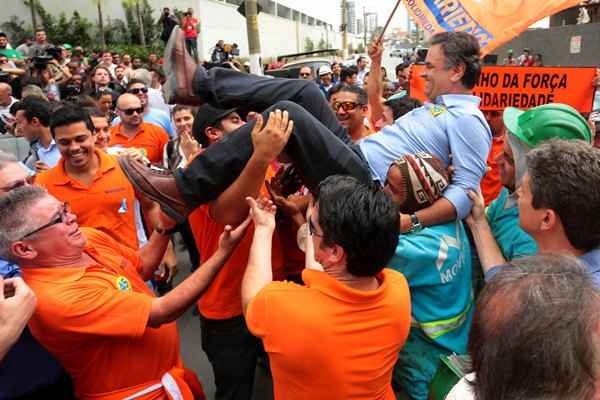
(546, 122)
(67, 46)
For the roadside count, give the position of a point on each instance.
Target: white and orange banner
(493, 22)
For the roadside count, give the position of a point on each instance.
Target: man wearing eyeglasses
(27, 370)
(351, 104)
(95, 312)
(132, 131)
(151, 115)
(306, 73)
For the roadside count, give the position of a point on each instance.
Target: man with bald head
(133, 132)
(6, 100)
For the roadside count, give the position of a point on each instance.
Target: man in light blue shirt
(151, 115)
(320, 147)
(32, 115)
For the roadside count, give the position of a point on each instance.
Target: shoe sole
(177, 216)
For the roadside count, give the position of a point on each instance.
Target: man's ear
(23, 250)
(458, 71)
(550, 220)
(212, 133)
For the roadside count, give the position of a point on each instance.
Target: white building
(283, 30)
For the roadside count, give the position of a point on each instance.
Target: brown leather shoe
(157, 184)
(179, 68)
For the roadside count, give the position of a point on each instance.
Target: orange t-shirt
(93, 320)
(326, 340)
(150, 138)
(107, 205)
(490, 184)
(223, 298)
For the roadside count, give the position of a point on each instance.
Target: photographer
(46, 73)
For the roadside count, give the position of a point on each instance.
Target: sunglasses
(58, 219)
(130, 111)
(311, 228)
(345, 105)
(304, 75)
(138, 90)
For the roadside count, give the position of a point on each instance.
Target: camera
(41, 62)
(70, 92)
(54, 52)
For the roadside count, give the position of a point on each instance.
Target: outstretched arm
(268, 141)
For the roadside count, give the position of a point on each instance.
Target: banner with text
(493, 22)
(525, 87)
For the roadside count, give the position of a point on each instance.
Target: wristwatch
(164, 232)
(416, 225)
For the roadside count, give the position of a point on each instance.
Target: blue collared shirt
(8, 269)
(48, 156)
(591, 260)
(455, 126)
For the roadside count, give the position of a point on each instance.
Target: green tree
(133, 13)
(16, 31)
(360, 48)
(322, 45)
(308, 44)
(32, 4)
(101, 30)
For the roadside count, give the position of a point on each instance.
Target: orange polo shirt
(150, 138)
(107, 205)
(326, 340)
(93, 319)
(490, 184)
(223, 298)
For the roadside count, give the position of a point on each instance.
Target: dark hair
(538, 318)
(182, 107)
(402, 106)
(2, 34)
(401, 67)
(362, 98)
(85, 101)
(347, 72)
(361, 219)
(135, 81)
(33, 106)
(359, 59)
(460, 48)
(564, 176)
(68, 114)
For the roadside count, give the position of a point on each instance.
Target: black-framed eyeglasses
(138, 90)
(60, 217)
(311, 228)
(130, 111)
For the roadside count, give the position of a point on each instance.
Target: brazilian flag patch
(123, 284)
(437, 110)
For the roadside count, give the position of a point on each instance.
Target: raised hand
(270, 139)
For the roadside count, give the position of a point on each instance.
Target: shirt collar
(450, 100)
(107, 163)
(330, 286)
(592, 260)
(119, 131)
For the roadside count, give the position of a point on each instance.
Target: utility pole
(253, 37)
(344, 29)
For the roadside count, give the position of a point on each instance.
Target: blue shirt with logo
(455, 126)
(437, 265)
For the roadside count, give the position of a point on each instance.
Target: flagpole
(389, 20)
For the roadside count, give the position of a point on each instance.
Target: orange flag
(493, 22)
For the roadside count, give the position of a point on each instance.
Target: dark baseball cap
(207, 116)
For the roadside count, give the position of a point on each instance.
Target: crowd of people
(342, 234)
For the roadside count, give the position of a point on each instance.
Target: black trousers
(232, 352)
(318, 146)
